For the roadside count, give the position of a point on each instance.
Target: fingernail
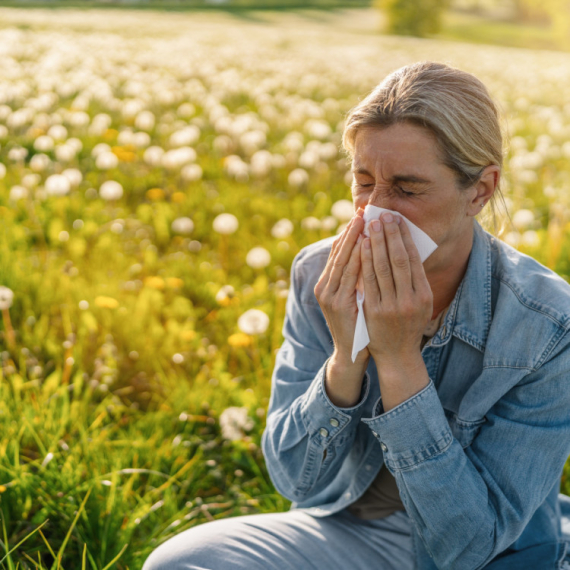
(388, 217)
(367, 244)
(376, 225)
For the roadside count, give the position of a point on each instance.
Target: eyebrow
(397, 177)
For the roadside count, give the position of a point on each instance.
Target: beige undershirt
(382, 498)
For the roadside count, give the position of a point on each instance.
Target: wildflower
(18, 192)
(174, 282)
(310, 223)
(6, 297)
(317, 129)
(178, 197)
(298, 178)
(2, 171)
(73, 175)
(240, 340)
(40, 162)
(154, 282)
(530, 238)
(31, 180)
(185, 136)
(225, 223)
(111, 190)
(342, 210)
(258, 257)
(182, 226)
(155, 194)
(44, 143)
(153, 155)
(177, 358)
(253, 321)
(282, 229)
(188, 335)
(224, 295)
(191, 172)
(234, 422)
(57, 132)
(106, 161)
(100, 149)
(57, 185)
(523, 219)
(145, 121)
(106, 302)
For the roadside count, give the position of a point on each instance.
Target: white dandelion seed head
(44, 143)
(153, 155)
(2, 171)
(57, 132)
(111, 190)
(298, 178)
(145, 121)
(6, 297)
(227, 291)
(342, 210)
(253, 322)
(523, 218)
(225, 223)
(234, 421)
(191, 172)
(99, 149)
(40, 162)
(283, 228)
(65, 152)
(106, 161)
(73, 175)
(182, 225)
(258, 257)
(57, 185)
(18, 192)
(311, 223)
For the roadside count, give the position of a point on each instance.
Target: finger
(419, 279)
(337, 245)
(350, 272)
(398, 255)
(381, 261)
(343, 255)
(372, 292)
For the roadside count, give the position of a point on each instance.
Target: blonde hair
(453, 104)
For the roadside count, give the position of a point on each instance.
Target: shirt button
(323, 432)
(347, 495)
(374, 433)
(383, 446)
(333, 422)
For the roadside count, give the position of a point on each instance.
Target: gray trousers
(291, 540)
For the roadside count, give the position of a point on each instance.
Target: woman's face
(398, 168)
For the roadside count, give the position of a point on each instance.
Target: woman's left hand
(398, 301)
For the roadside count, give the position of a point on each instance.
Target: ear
(484, 189)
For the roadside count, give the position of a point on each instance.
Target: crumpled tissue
(426, 246)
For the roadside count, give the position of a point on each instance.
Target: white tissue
(426, 246)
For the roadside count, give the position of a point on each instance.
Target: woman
(442, 445)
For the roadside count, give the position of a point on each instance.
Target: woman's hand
(398, 300)
(336, 289)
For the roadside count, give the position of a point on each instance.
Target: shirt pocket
(463, 431)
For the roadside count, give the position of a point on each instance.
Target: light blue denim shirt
(477, 454)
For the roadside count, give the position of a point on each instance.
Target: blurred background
(161, 164)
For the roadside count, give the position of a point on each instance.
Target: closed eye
(398, 187)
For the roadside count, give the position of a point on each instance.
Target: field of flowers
(158, 174)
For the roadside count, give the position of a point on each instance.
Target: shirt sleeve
(471, 500)
(302, 423)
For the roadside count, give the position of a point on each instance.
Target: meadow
(158, 174)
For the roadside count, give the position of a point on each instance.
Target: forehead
(398, 145)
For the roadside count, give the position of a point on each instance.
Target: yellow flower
(155, 194)
(239, 340)
(2, 488)
(110, 134)
(178, 197)
(174, 282)
(188, 335)
(106, 302)
(154, 282)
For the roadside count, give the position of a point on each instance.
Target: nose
(382, 198)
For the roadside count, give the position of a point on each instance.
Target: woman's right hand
(336, 289)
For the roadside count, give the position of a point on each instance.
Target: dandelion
(282, 228)
(225, 295)
(73, 175)
(240, 340)
(530, 238)
(2, 171)
(57, 132)
(155, 194)
(31, 180)
(253, 322)
(225, 223)
(111, 190)
(523, 219)
(342, 210)
(154, 282)
(6, 299)
(329, 223)
(174, 282)
(153, 155)
(186, 136)
(183, 226)
(298, 178)
(44, 143)
(311, 223)
(57, 185)
(234, 421)
(191, 172)
(177, 358)
(258, 257)
(106, 161)
(40, 162)
(18, 193)
(145, 121)
(106, 302)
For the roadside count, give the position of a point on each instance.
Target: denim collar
(469, 315)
